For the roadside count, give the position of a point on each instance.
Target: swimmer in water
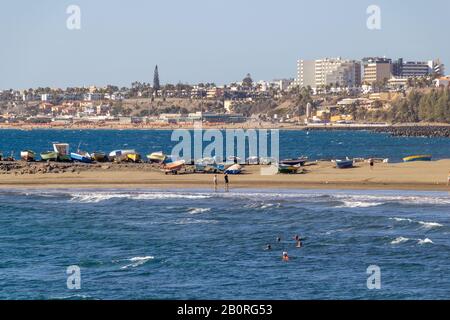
(297, 237)
(299, 244)
(278, 239)
(268, 247)
(285, 256)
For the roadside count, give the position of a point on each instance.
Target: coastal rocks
(416, 131)
(431, 131)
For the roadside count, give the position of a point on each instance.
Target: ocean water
(198, 244)
(316, 145)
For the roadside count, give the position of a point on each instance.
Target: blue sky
(205, 40)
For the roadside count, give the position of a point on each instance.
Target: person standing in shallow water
(227, 182)
(215, 182)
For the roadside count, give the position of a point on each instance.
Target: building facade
(328, 72)
(377, 70)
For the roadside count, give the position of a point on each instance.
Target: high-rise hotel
(328, 72)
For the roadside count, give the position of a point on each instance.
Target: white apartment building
(328, 72)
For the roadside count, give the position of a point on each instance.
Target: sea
(203, 244)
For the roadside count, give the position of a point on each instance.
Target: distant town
(375, 90)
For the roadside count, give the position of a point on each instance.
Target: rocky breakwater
(416, 131)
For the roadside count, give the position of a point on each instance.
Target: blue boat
(84, 158)
(234, 169)
(344, 164)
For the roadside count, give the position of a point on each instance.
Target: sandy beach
(320, 175)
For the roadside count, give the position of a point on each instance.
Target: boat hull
(293, 162)
(27, 156)
(99, 156)
(234, 169)
(49, 156)
(133, 157)
(344, 164)
(418, 158)
(80, 158)
(156, 157)
(286, 169)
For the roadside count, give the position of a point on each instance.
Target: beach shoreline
(420, 176)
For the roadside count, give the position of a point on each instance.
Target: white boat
(120, 155)
(234, 169)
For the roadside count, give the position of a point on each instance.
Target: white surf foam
(103, 196)
(400, 240)
(430, 225)
(137, 261)
(358, 204)
(425, 241)
(199, 210)
(426, 225)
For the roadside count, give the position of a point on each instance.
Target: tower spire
(156, 85)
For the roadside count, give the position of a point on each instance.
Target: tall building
(329, 71)
(306, 73)
(377, 70)
(416, 69)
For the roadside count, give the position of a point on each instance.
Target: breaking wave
(424, 224)
(137, 261)
(105, 196)
(199, 210)
(400, 240)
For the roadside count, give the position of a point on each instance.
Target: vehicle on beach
(418, 158)
(344, 164)
(28, 155)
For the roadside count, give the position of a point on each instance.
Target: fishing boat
(49, 156)
(63, 150)
(234, 169)
(205, 168)
(156, 157)
(27, 155)
(99, 156)
(134, 157)
(223, 166)
(418, 158)
(83, 157)
(294, 162)
(173, 167)
(344, 164)
(120, 155)
(287, 169)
